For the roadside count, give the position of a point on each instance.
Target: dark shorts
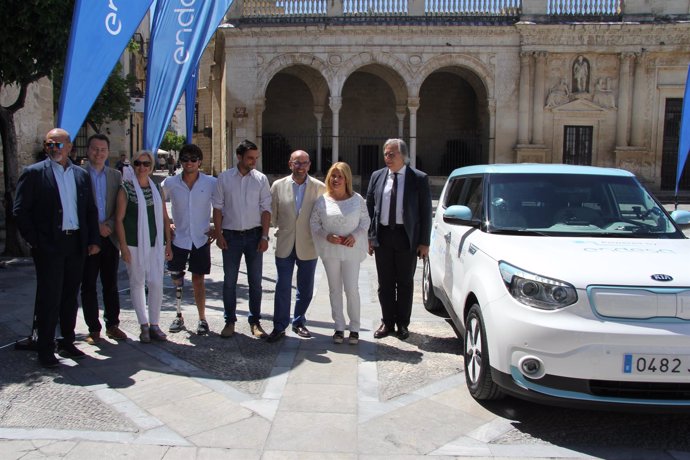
(199, 259)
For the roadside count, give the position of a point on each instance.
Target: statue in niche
(581, 75)
(559, 94)
(603, 94)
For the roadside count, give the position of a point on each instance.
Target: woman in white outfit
(143, 230)
(339, 225)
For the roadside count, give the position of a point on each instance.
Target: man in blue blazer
(57, 217)
(399, 203)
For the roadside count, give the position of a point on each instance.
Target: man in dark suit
(57, 217)
(105, 182)
(399, 203)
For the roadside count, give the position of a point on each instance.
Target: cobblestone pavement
(207, 397)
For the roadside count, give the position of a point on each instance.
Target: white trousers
(343, 274)
(142, 276)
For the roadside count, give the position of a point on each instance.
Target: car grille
(640, 390)
(640, 303)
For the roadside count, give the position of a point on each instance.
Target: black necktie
(394, 201)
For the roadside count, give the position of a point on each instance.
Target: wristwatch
(266, 237)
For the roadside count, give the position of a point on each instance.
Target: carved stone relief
(603, 94)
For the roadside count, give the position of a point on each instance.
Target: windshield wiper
(518, 231)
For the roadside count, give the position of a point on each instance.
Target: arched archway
(295, 106)
(453, 121)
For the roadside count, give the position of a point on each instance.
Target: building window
(577, 145)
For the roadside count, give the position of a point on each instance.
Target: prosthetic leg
(178, 323)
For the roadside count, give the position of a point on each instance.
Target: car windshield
(575, 204)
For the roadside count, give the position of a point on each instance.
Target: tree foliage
(172, 141)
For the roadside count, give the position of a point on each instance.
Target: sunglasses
(189, 159)
(145, 164)
(52, 145)
(299, 164)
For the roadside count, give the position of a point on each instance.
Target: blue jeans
(242, 243)
(305, 289)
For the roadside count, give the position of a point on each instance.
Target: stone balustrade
(523, 9)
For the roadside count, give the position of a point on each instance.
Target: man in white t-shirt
(191, 195)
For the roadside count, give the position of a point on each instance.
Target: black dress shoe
(68, 350)
(275, 335)
(48, 360)
(302, 331)
(383, 331)
(403, 333)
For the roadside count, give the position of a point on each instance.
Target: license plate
(656, 364)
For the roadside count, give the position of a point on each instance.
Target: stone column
(335, 103)
(624, 86)
(637, 130)
(413, 106)
(538, 102)
(259, 107)
(318, 114)
(400, 112)
(523, 101)
(491, 105)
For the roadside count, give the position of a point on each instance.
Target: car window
(582, 204)
(454, 192)
(474, 197)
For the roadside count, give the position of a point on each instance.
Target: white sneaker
(177, 324)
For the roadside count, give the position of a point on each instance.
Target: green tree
(172, 141)
(33, 41)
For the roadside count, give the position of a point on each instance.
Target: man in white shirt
(242, 216)
(292, 199)
(191, 195)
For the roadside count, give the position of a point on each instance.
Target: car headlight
(535, 290)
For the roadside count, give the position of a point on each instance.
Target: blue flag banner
(189, 102)
(684, 144)
(181, 29)
(100, 32)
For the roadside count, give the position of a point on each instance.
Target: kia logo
(661, 277)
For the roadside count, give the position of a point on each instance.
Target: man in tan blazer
(293, 198)
(105, 182)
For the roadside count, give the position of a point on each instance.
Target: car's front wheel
(477, 364)
(432, 304)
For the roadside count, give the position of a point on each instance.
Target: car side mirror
(681, 217)
(459, 215)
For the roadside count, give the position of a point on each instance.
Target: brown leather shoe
(258, 331)
(302, 331)
(383, 331)
(114, 332)
(93, 338)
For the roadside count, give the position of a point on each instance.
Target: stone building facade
(471, 81)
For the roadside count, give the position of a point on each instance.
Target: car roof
(538, 168)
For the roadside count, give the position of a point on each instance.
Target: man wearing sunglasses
(191, 195)
(58, 218)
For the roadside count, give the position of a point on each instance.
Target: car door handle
(447, 237)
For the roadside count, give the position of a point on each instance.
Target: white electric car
(569, 285)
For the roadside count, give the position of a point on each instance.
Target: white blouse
(342, 218)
